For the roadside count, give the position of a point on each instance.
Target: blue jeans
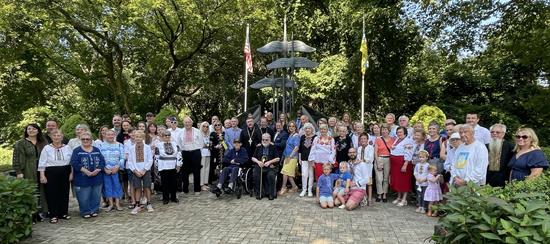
(88, 198)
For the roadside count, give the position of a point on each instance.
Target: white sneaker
(418, 209)
(310, 194)
(396, 201)
(143, 201)
(303, 193)
(422, 210)
(150, 208)
(135, 210)
(342, 206)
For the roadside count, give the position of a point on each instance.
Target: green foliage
(69, 125)
(18, 205)
(6, 155)
(161, 116)
(546, 151)
(520, 213)
(426, 114)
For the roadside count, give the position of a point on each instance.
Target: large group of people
(337, 161)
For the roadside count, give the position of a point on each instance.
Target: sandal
(65, 217)
(53, 220)
(119, 208)
(86, 216)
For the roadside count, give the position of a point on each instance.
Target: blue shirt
(344, 177)
(292, 142)
(326, 184)
(521, 167)
(89, 160)
(230, 135)
(113, 154)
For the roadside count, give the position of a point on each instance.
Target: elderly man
(232, 133)
(232, 161)
(270, 122)
(303, 120)
(390, 121)
(52, 125)
(471, 159)
(500, 153)
(404, 122)
(481, 134)
(191, 141)
(264, 159)
(251, 136)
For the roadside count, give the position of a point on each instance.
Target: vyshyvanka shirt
(52, 156)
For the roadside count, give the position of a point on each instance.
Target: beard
(353, 157)
(495, 151)
(265, 144)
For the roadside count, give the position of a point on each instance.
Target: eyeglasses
(265, 139)
(86, 139)
(165, 135)
(524, 137)
(218, 125)
(496, 132)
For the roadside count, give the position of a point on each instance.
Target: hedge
(16, 209)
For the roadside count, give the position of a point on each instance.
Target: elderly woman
(217, 149)
(343, 143)
(55, 173)
(306, 141)
(168, 162)
(290, 155)
(75, 142)
(205, 155)
(88, 164)
(25, 159)
(401, 166)
(529, 160)
(113, 152)
(382, 162)
(322, 151)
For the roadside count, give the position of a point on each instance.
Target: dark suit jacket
(499, 178)
(280, 141)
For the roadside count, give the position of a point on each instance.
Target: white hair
(502, 126)
(403, 117)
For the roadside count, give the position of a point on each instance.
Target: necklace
(249, 136)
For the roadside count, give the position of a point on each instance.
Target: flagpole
(363, 85)
(246, 74)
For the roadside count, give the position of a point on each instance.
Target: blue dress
(521, 166)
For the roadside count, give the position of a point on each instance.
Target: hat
(237, 140)
(149, 114)
(172, 118)
(455, 136)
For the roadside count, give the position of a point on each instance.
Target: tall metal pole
(363, 84)
(246, 73)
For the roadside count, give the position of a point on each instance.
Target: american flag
(248, 54)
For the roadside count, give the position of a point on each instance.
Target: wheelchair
(244, 183)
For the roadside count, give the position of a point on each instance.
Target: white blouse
(368, 154)
(51, 156)
(403, 147)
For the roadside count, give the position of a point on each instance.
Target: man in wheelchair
(232, 161)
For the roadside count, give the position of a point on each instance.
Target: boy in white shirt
(140, 160)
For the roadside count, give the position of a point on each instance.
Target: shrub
(163, 113)
(427, 114)
(519, 213)
(5, 159)
(17, 207)
(70, 124)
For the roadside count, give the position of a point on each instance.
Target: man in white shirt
(172, 126)
(191, 141)
(481, 134)
(471, 159)
(390, 121)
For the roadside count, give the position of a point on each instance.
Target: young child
(421, 175)
(342, 184)
(325, 187)
(433, 192)
(140, 160)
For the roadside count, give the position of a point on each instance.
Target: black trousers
(268, 187)
(169, 184)
(57, 190)
(214, 162)
(191, 165)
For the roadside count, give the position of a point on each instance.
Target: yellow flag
(364, 56)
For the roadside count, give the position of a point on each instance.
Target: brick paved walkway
(205, 219)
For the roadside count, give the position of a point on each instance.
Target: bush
(17, 207)
(163, 113)
(427, 114)
(546, 151)
(519, 213)
(5, 159)
(70, 124)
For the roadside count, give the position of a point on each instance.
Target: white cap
(455, 136)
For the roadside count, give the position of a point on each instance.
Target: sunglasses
(85, 139)
(218, 125)
(524, 137)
